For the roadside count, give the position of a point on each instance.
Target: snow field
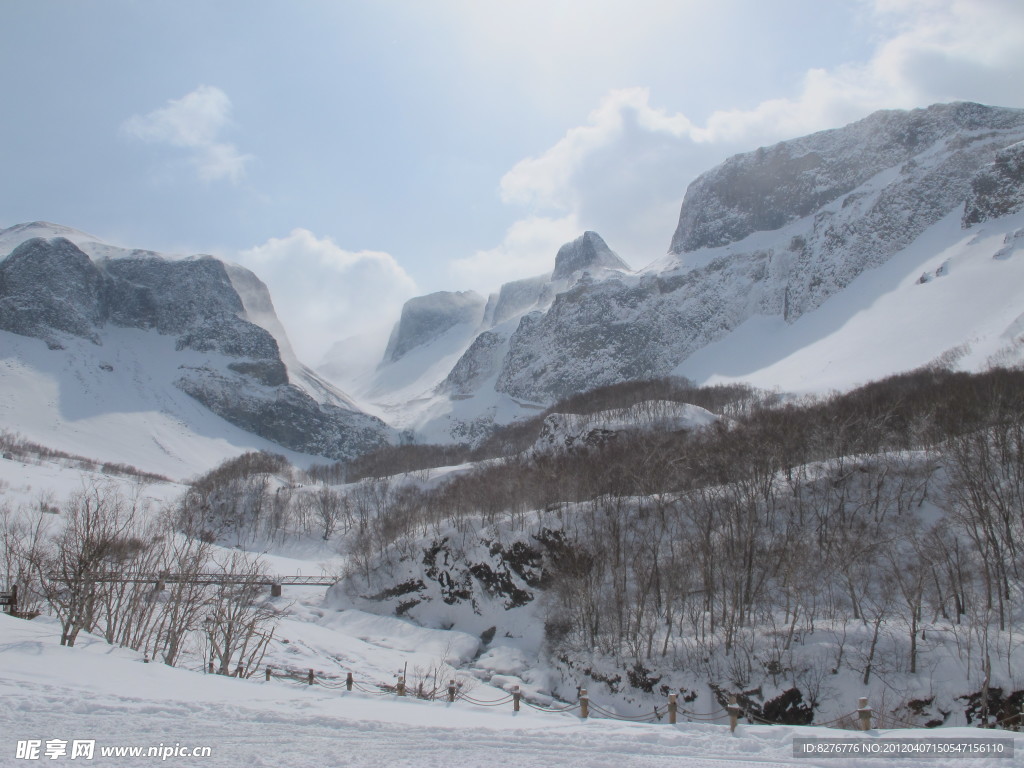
(97, 692)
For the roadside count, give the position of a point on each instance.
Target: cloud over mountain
(194, 122)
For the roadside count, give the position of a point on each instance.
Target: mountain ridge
(51, 290)
(777, 232)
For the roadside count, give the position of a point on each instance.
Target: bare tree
(240, 619)
(97, 526)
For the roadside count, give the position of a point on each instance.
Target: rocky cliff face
(773, 232)
(426, 318)
(587, 252)
(997, 189)
(51, 289)
(520, 305)
(766, 189)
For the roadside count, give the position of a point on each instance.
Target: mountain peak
(13, 236)
(587, 251)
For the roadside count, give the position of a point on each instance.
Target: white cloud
(622, 174)
(194, 122)
(323, 293)
(931, 51)
(527, 249)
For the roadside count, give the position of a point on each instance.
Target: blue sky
(357, 153)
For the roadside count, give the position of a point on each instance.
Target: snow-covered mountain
(817, 263)
(99, 339)
(808, 265)
(441, 366)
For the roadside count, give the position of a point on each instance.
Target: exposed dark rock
(765, 189)
(588, 251)
(48, 287)
(997, 189)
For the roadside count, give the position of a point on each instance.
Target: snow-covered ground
(117, 403)
(52, 696)
(98, 693)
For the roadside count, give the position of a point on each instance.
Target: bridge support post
(275, 590)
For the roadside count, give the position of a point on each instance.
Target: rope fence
(860, 718)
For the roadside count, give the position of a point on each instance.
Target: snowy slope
(117, 403)
(953, 296)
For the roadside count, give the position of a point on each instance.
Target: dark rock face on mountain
(593, 333)
(765, 189)
(283, 413)
(516, 297)
(997, 189)
(50, 289)
(588, 251)
(425, 318)
(477, 364)
(49, 286)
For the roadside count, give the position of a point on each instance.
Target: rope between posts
(476, 702)
(364, 689)
(570, 708)
(701, 717)
(830, 723)
(902, 723)
(634, 718)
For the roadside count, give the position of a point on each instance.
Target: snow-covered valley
(782, 463)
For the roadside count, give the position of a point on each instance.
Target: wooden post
(209, 669)
(401, 685)
(734, 713)
(451, 691)
(516, 696)
(584, 704)
(310, 681)
(864, 713)
(268, 674)
(672, 706)
(348, 682)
